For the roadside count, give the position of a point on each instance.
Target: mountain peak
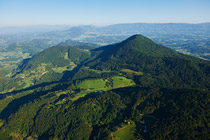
(138, 41)
(146, 46)
(137, 37)
(138, 44)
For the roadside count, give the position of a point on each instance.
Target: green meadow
(124, 133)
(97, 85)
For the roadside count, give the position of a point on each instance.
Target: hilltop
(126, 90)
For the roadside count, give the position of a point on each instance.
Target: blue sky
(102, 12)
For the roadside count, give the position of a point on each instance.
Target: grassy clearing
(92, 85)
(128, 70)
(59, 69)
(62, 69)
(131, 71)
(80, 95)
(59, 102)
(28, 82)
(1, 123)
(60, 93)
(66, 56)
(120, 81)
(98, 71)
(124, 133)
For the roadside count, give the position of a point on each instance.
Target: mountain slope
(49, 65)
(57, 56)
(161, 66)
(49, 113)
(134, 89)
(134, 49)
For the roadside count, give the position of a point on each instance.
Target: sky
(102, 12)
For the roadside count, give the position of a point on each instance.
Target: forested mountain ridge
(135, 89)
(162, 65)
(46, 66)
(191, 39)
(158, 63)
(58, 56)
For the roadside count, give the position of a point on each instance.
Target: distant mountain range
(192, 39)
(31, 29)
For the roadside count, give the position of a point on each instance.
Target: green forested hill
(50, 114)
(46, 66)
(134, 52)
(134, 89)
(57, 56)
(161, 66)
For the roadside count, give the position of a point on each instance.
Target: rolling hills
(160, 64)
(191, 39)
(134, 89)
(163, 66)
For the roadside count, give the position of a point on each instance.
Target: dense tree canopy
(135, 89)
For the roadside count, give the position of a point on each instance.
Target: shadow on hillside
(86, 97)
(15, 104)
(123, 92)
(127, 91)
(35, 92)
(26, 89)
(69, 74)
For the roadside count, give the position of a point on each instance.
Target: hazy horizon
(102, 25)
(102, 13)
